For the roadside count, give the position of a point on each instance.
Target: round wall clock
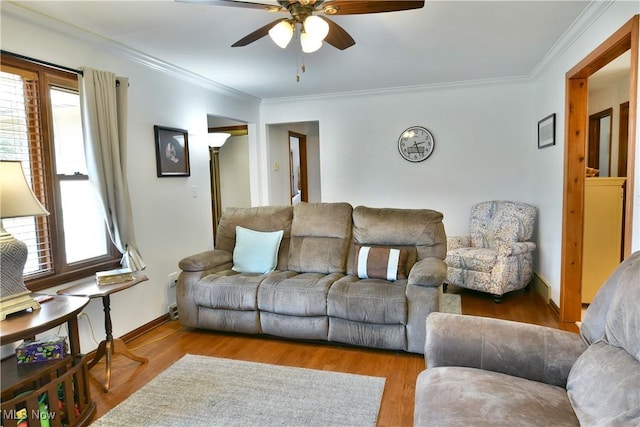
(416, 144)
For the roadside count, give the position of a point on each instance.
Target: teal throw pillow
(256, 251)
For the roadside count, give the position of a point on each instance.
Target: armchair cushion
(500, 221)
(473, 397)
(605, 393)
(477, 259)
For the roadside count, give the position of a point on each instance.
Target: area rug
(208, 391)
(451, 303)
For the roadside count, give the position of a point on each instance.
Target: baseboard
(130, 336)
(542, 288)
(138, 332)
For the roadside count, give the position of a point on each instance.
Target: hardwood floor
(170, 341)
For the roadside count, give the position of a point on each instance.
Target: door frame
(302, 153)
(593, 138)
(576, 125)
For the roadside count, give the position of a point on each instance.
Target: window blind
(21, 139)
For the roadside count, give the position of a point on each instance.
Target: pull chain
(300, 67)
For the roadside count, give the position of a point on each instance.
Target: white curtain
(103, 102)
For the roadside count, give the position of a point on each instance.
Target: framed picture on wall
(172, 152)
(547, 131)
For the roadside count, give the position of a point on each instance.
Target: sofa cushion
(390, 337)
(421, 229)
(263, 218)
(604, 386)
(320, 235)
(256, 251)
(476, 259)
(228, 290)
(293, 294)
(457, 396)
(381, 263)
(368, 301)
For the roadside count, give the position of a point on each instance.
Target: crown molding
(586, 18)
(589, 15)
(401, 90)
(23, 12)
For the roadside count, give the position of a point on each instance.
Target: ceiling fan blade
(356, 7)
(256, 35)
(338, 36)
(236, 3)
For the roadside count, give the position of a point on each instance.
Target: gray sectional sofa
(361, 276)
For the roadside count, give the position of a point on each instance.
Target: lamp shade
(316, 27)
(309, 44)
(218, 139)
(281, 33)
(16, 197)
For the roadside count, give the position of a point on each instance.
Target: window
(40, 125)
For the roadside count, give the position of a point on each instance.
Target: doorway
(298, 181)
(576, 128)
(600, 141)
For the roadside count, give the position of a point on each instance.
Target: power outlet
(173, 279)
(173, 312)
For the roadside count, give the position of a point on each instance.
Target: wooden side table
(45, 376)
(110, 346)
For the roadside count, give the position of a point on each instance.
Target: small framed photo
(172, 152)
(547, 131)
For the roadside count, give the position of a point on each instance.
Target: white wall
(483, 141)
(486, 142)
(234, 173)
(170, 222)
(278, 144)
(549, 96)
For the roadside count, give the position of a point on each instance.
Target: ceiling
(444, 42)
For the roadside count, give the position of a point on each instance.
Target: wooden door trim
(576, 113)
(594, 123)
(623, 139)
(302, 147)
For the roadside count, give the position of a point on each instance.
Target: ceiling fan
(305, 14)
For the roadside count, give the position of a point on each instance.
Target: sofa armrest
(456, 242)
(194, 268)
(528, 351)
(428, 272)
(210, 260)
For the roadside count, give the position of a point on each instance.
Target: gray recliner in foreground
(490, 372)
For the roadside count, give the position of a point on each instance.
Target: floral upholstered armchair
(496, 256)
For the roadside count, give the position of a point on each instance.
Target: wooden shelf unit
(62, 384)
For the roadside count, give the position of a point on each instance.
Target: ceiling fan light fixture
(316, 27)
(309, 44)
(281, 33)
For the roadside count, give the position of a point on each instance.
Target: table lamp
(16, 200)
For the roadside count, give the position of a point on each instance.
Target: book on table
(110, 277)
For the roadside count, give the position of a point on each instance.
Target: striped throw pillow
(374, 262)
